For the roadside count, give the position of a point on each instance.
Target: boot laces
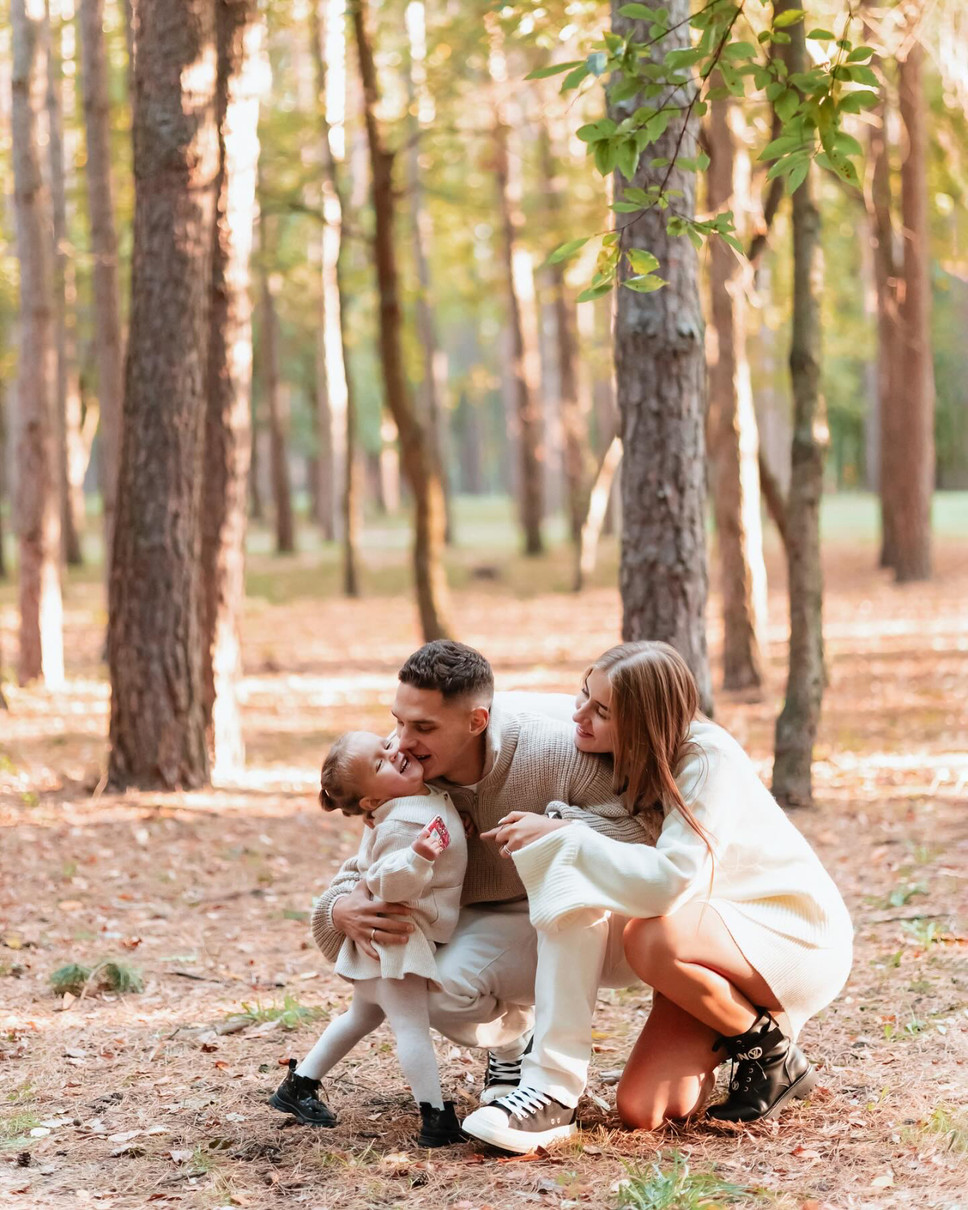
(745, 1069)
(524, 1102)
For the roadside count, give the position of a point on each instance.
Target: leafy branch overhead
(655, 82)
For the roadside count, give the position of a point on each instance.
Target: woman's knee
(649, 943)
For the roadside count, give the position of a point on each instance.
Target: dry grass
(140, 1100)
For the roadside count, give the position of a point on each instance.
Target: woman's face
(594, 727)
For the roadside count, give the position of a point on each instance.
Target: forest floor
(159, 1098)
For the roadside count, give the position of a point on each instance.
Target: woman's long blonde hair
(654, 702)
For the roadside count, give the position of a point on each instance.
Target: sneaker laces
(502, 1071)
(524, 1101)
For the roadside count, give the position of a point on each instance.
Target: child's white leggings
(403, 1002)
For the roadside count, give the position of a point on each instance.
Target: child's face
(381, 771)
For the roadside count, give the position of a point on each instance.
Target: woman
(735, 923)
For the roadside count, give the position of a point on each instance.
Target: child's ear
(372, 804)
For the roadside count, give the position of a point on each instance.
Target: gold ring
(505, 850)
(372, 934)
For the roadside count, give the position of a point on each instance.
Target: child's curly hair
(336, 789)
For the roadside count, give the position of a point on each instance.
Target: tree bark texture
(337, 471)
(154, 632)
(912, 482)
(522, 367)
(419, 466)
(228, 433)
(38, 498)
(277, 406)
(798, 722)
(731, 423)
(71, 459)
(3, 476)
(660, 379)
(104, 249)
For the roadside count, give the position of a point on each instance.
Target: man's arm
(347, 909)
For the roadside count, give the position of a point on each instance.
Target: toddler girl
(413, 850)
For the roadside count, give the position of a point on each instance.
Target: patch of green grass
(910, 1029)
(290, 1014)
(904, 894)
(16, 1129)
(925, 932)
(106, 976)
(675, 1186)
(20, 1093)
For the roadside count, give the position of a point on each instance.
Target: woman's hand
(365, 920)
(520, 828)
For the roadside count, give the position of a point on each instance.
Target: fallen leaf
(124, 1136)
(180, 1156)
(884, 1181)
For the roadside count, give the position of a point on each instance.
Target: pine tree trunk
(912, 482)
(67, 397)
(228, 435)
(799, 720)
(38, 498)
(3, 477)
(434, 383)
(338, 473)
(731, 422)
(660, 377)
(154, 640)
(104, 248)
(521, 367)
(276, 400)
(419, 466)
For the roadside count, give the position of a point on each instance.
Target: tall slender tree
(154, 642)
(799, 720)
(419, 466)
(38, 498)
(912, 480)
(104, 250)
(275, 396)
(731, 425)
(228, 433)
(660, 377)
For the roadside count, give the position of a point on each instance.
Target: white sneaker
(521, 1121)
(502, 1075)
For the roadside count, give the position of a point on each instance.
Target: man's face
(441, 735)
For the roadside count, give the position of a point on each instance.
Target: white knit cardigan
(780, 905)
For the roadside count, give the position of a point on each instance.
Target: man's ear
(480, 717)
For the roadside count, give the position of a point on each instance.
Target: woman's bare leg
(691, 958)
(704, 987)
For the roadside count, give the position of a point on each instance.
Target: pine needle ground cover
(115, 1097)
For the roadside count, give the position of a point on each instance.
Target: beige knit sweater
(394, 872)
(778, 902)
(531, 763)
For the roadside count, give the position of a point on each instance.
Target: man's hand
(520, 828)
(364, 920)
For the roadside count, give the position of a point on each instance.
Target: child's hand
(432, 840)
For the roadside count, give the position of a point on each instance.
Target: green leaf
(647, 284)
(597, 63)
(694, 237)
(733, 242)
(542, 73)
(589, 133)
(564, 251)
(798, 176)
(573, 79)
(627, 159)
(854, 102)
(625, 89)
(626, 207)
(822, 35)
(702, 161)
(739, 50)
(786, 104)
(859, 54)
(638, 12)
(791, 17)
(846, 143)
(687, 57)
(590, 293)
(641, 261)
(861, 74)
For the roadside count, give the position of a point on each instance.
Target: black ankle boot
(298, 1095)
(438, 1127)
(768, 1070)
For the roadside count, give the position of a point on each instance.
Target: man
(492, 760)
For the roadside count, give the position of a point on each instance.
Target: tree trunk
(731, 423)
(419, 466)
(38, 500)
(104, 249)
(598, 501)
(3, 477)
(276, 401)
(154, 640)
(67, 398)
(434, 383)
(912, 481)
(660, 377)
(228, 434)
(338, 473)
(796, 727)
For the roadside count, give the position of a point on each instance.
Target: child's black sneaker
(298, 1095)
(439, 1127)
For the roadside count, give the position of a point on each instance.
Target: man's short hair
(453, 669)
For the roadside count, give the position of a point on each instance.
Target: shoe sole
(281, 1105)
(517, 1141)
(799, 1090)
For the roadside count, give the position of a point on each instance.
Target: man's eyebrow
(414, 721)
